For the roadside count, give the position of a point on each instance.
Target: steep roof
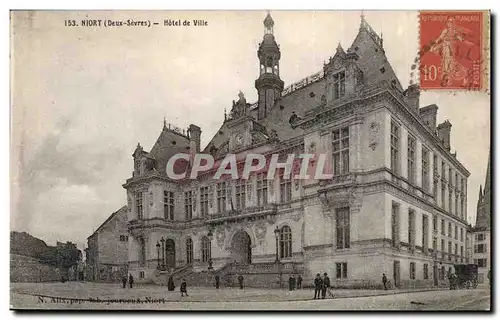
(122, 210)
(170, 142)
(372, 59)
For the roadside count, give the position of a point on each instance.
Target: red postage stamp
(452, 54)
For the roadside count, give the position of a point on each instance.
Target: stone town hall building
(396, 205)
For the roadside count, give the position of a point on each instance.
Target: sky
(83, 97)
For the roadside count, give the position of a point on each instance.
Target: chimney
(444, 131)
(195, 136)
(428, 115)
(413, 97)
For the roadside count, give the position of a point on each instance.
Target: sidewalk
(103, 291)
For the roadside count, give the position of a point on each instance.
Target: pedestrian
(124, 281)
(293, 282)
(171, 284)
(318, 284)
(217, 281)
(130, 281)
(299, 282)
(240, 281)
(384, 281)
(290, 283)
(184, 288)
(326, 285)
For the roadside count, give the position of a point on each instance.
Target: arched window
(206, 252)
(286, 242)
(189, 251)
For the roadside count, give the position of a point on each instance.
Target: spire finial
(268, 23)
(164, 122)
(363, 20)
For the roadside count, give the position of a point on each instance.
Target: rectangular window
(435, 164)
(240, 194)
(443, 171)
(340, 147)
(261, 189)
(425, 169)
(411, 158)
(441, 275)
(426, 271)
(434, 223)
(395, 129)
(450, 231)
(341, 270)
(221, 197)
(411, 230)
(462, 207)
(481, 263)
(141, 274)
(442, 227)
(443, 194)
(285, 189)
(456, 232)
(456, 251)
(138, 205)
(123, 238)
(461, 251)
(449, 250)
(461, 234)
(343, 228)
(450, 176)
(339, 85)
(168, 205)
(204, 201)
(434, 244)
(480, 248)
(456, 204)
(412, 270)
(425, 235)
(395, 225)
(450, 200)
(435, 189)
(442, 248)
(188, 204)
(481, 237)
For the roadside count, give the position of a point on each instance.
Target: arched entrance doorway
(241, 248)
(170, 253)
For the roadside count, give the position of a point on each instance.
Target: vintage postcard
(250, 160)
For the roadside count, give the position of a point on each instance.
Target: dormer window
(339, 85)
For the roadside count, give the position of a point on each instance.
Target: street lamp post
(210, 236)
(162, 253)
(158, 253)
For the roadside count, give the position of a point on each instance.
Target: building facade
(107, 249)
(397, 203)
(481, 232)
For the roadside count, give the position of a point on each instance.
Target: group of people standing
(321, 285)
(294, 283)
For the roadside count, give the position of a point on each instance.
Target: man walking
(130, 281)
(299, 282)
(124, 281)
(240, 280)
(326, 285)
(318, 284)
(184, 288)
(384, 281)
(217, 282)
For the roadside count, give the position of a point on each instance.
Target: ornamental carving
(374, 136)
(351, 198)
(296, 216)
(260, 230)
(312, 147)
(129, 202)
(220, 236)
(151, 198)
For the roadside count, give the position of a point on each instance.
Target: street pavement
(75, 295)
